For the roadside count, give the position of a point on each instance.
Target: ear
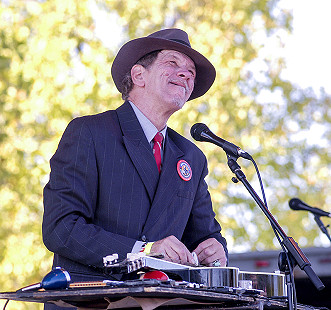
(137, 75)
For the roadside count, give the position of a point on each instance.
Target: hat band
(182, 42)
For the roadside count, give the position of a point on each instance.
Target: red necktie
(157, 149)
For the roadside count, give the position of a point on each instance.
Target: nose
(185, 73)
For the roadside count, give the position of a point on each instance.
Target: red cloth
(157, 149)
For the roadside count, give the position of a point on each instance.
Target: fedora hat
(169, 39)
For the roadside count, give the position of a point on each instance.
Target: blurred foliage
(55, 61)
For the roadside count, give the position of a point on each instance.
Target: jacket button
(143, 238)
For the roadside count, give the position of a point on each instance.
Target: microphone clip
(235, 168)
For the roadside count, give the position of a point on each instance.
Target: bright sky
(308, 50)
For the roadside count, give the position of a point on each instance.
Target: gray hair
(127, 82)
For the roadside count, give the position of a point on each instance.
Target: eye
(192, 72)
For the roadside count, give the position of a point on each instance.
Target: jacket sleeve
(70, 199)
(202, 224)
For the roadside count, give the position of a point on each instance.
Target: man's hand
(173, 250)
(210, 251)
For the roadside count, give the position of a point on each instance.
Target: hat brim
(133, 50)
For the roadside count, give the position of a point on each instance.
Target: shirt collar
(149, 129)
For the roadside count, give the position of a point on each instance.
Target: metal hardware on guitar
(137, 261)
(272, 284)
(269, 284)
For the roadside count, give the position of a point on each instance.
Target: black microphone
(297, 204)
(200, 132)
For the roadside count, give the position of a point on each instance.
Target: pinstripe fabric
(105, 192)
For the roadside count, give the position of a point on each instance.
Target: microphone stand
(321, 226)
(296, 256)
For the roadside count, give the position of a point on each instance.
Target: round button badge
(184, 170)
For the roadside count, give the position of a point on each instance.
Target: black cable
(292, 280)
(278, 237)
(6, 303)
(265, 200)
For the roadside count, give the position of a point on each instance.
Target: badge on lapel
(184, 170)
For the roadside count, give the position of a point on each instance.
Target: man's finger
(209, 251)
(173, 249)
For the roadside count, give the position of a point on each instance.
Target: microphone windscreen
(294, 204)
(197, 129)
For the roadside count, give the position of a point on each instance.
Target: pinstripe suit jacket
(105, 192)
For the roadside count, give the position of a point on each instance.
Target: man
(109, 194)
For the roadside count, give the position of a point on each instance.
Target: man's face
(169, 81)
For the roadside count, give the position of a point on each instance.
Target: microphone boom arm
(292, 247)
(321, 226)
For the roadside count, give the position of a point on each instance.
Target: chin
(175, 101)
(178, 103)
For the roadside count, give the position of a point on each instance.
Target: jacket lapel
(138, 148)
(168, 183)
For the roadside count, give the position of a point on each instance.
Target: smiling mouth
(178, 84)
